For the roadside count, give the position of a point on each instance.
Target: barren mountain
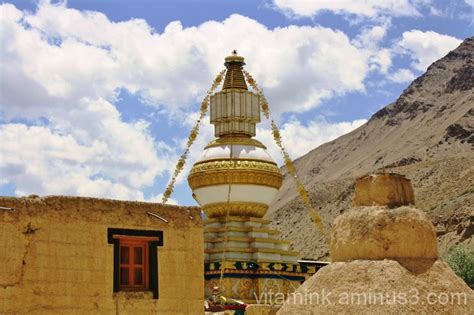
(426, 134)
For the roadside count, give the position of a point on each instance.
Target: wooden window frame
(150, 240)
(132, 243)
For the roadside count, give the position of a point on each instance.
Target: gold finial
(234, 58)
(234, 78)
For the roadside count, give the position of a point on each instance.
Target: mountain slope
(426, 134)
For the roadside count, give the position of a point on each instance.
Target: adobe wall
(54, 257)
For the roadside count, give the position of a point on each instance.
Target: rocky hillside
(426, 134)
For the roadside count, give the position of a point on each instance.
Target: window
(135, 259)
(133, 264)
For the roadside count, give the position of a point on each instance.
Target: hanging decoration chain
(227, 216)
(286, 157)
(192, 137)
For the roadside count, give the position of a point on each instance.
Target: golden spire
(234, 78)
(235, 110)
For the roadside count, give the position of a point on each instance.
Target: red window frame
(133, 263)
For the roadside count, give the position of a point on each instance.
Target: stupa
(384, 260)
(234, 181)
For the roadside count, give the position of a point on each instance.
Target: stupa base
(258, 266)
(245, 239)
(256, 282)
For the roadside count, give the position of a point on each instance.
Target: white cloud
(43, 162)
(72, 65)
(425, 48)
(159, 197)
(365, 8)
(174, 68)
(118, 163)
(206, 134)
(309, 136)
(381, 60)
(369, 41)
(402, 76)
(372, 36)
(75, 141)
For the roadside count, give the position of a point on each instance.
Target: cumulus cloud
(424, 48)
(159, 197)
(116, 162)
(73, 64)
(74, 141)
(369, 41)
(173, 68)
(402, 76)
(309, 135)
(43, 162)
(364, 8)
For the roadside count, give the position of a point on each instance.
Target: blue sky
(97, 97)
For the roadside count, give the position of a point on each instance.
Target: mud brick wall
(55, 258)
(383, 189)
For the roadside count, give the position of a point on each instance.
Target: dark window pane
(138, 276)
(124, 276)
(138, 256)
(124, 254)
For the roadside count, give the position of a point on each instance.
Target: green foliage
(461, 260)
